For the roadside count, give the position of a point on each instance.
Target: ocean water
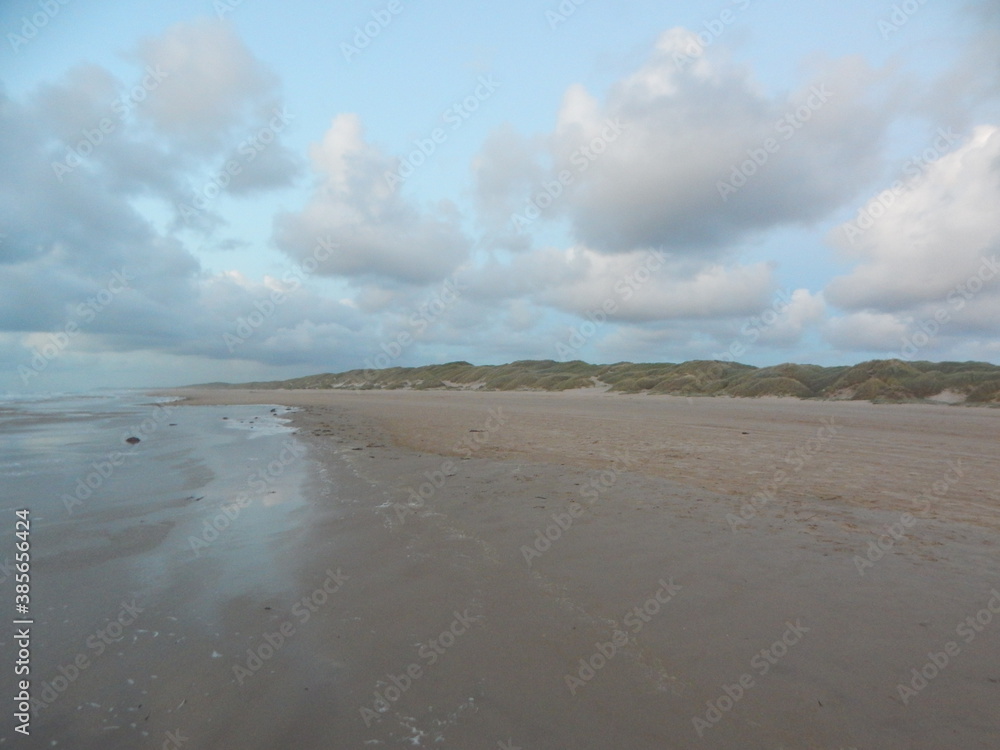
(196, 514)
(66, 458)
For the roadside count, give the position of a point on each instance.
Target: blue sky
(699, 173)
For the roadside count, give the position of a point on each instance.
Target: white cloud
(377, 232)
(792, 318)
(686, 124)
(68, 231)
(645, 160)
(872, 331)
(213, 84)
(640, 285)
(937, 240)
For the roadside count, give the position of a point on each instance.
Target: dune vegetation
(890, 380)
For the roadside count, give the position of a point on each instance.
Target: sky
(237, 190)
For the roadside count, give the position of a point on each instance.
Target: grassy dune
(878, 380)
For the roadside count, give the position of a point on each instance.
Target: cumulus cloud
(928, 253)
(637, 343)
(918, 242)
(968, 92)
(377, 232)
(198, 105)
(641, 286)
(872, 331)
(505, 169)
(646, 167)
(781, 324)
(83, 268)
(686, 154)
(262, 166)
(75, 227)
(211, 83)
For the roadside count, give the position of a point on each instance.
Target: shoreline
(148, 560)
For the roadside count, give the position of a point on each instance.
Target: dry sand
(742, 531)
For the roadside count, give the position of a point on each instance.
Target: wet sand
(587, 570)
(132, 620)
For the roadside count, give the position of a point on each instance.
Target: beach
(578, 377)
(550, 570)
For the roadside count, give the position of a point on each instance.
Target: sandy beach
(579, 377)
(581, 569)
